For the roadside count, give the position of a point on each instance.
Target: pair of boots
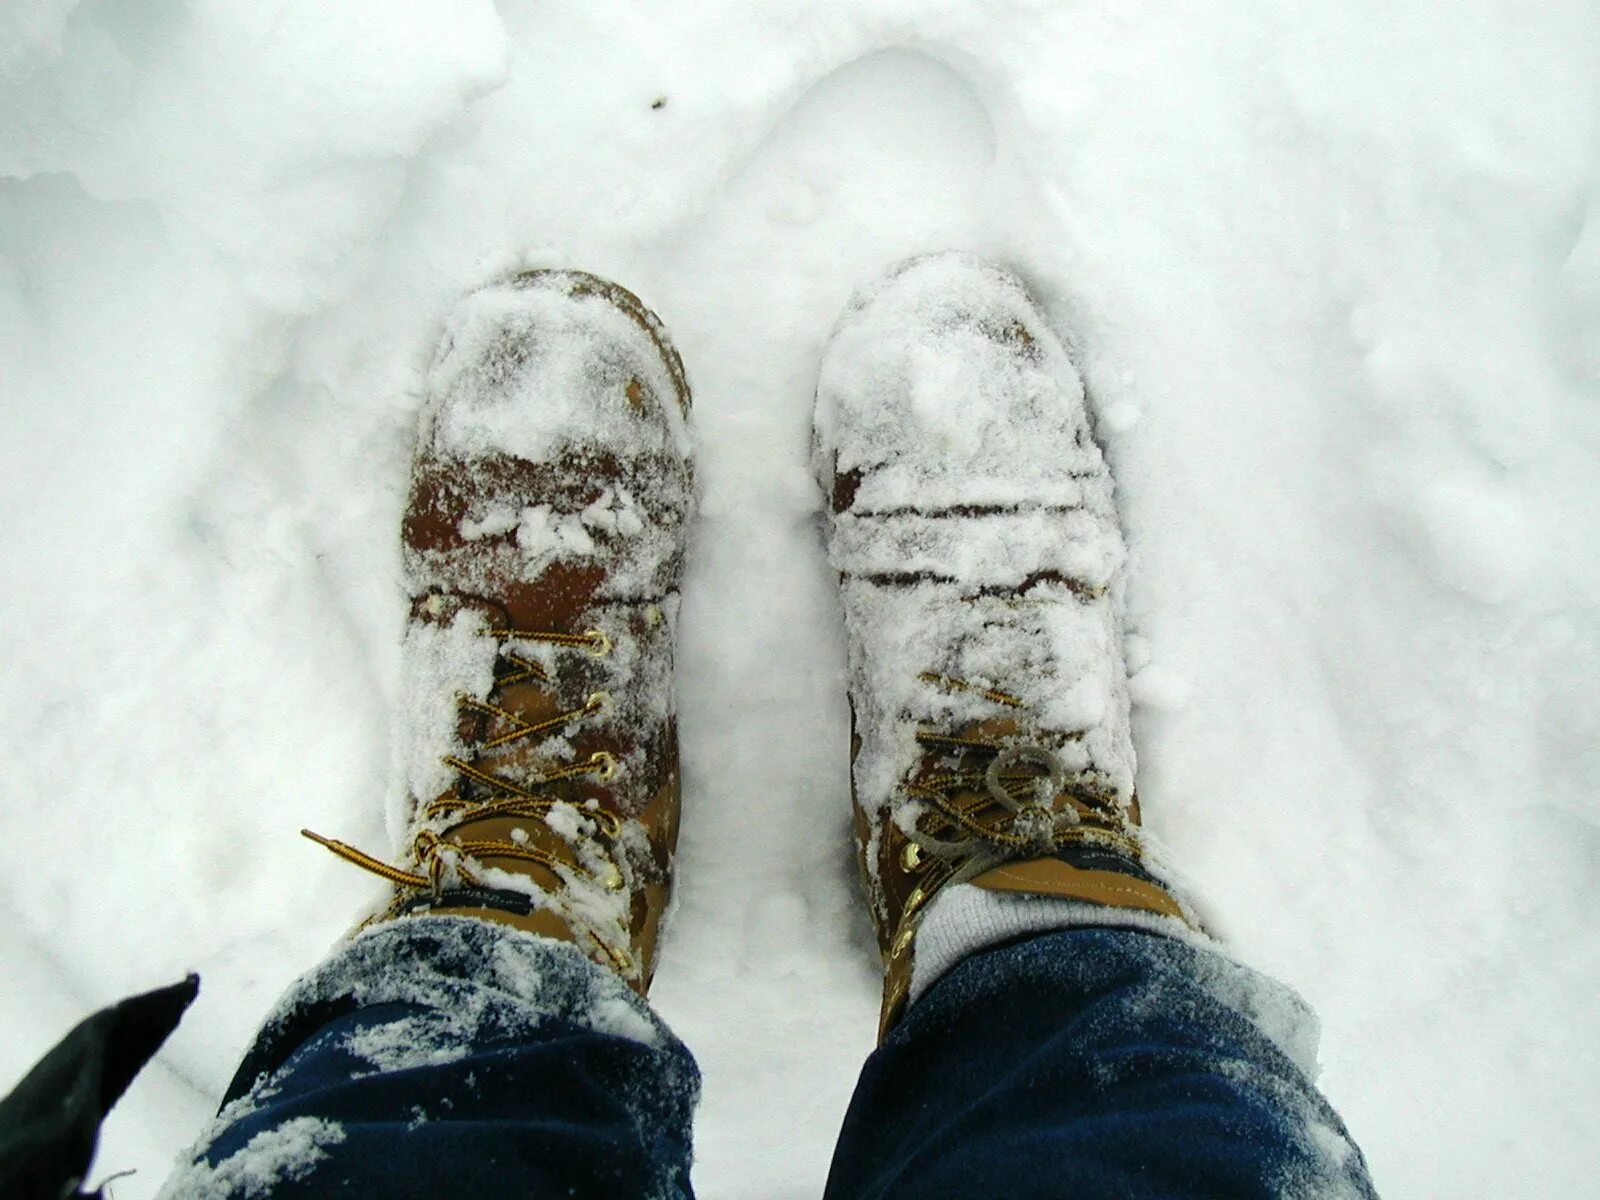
(969, 514)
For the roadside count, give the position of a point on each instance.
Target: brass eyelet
(903, 938)
(914, 902)
(911, 857)
(598, 702)
(606, 762)
(599, 642)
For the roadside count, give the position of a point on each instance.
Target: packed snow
(1332, 278)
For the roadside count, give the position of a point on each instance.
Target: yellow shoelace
(1019, 803)
(433, 854)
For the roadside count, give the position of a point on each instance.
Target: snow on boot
(543, 544)
(972, 524)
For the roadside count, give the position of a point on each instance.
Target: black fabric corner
(50, 1123)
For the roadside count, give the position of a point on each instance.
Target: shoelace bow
(435, 854)
(1019, 803)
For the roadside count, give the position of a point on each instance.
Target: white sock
(964, 919)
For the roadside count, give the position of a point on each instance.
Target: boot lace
(1006, 799)
(437, 856)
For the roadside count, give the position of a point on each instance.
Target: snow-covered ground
(1333, 274)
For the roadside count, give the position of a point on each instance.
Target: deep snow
(1333, 277)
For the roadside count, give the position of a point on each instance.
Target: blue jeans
(445, 1056)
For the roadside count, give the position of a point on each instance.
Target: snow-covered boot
(972, 524)
(543, 544)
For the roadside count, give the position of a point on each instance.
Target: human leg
(491, 1015)
(444, 1054)
(1096, 1062)
(970, 516)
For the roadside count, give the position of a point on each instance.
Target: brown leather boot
(973, 528)
(550, 496)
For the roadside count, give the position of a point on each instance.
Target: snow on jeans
(447, 1056)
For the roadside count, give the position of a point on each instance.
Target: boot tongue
(532, 700)
(519, 760)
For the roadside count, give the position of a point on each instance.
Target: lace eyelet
(598, 702)
(600, 643)
(606, 764)
(908, 931)
(911, 857)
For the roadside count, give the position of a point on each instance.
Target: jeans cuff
(486, 980)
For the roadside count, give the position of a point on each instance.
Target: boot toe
(549, 364)
(943, 386)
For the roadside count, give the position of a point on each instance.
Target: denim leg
(440, 1056)
(1097, 1063)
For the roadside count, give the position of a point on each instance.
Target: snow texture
(1332, 279)
(286, 1152)
(506, 347)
